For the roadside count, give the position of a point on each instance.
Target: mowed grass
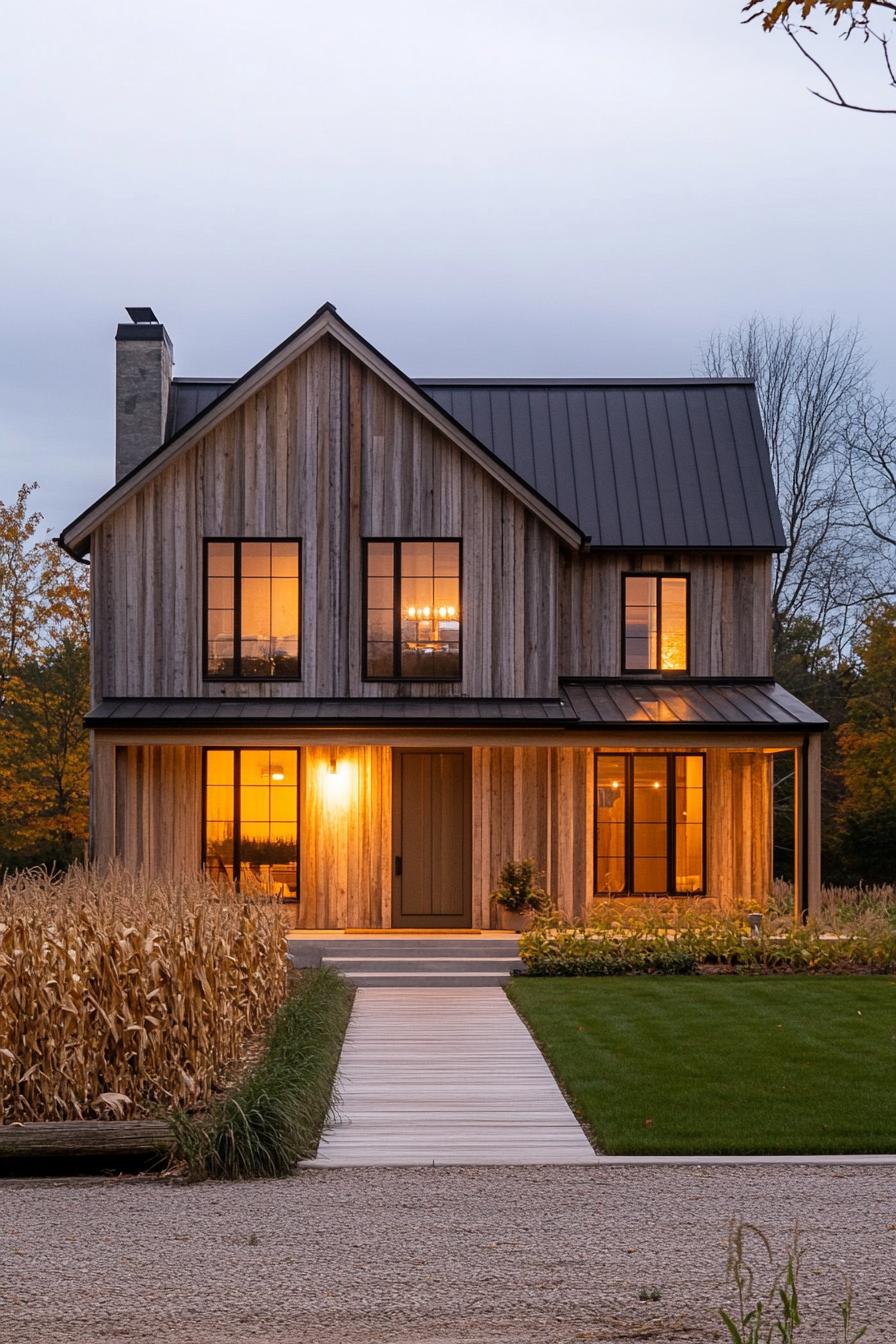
(723, 1064)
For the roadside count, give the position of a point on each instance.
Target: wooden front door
(431, 861)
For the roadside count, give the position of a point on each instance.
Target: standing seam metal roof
(653, 464)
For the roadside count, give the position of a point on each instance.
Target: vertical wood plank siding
(528, 802)
(730, 604)
(147, 809)
(538, 803)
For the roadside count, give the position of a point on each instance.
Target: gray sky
(481, 187)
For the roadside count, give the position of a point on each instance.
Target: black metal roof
(385, 711)
(580, 705)
(691, 704)
(651, 463)
(189, 397)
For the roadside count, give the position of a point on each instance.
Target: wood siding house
(365, 638)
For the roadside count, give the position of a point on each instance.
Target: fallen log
(73, 1142)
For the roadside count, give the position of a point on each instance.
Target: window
(251, 817)
(655, 636)
(252, 609)
(650, 824)
(412, 610)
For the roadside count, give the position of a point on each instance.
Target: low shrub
(671, 938)
(275, 1117)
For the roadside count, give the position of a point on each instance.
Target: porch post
(807, 828)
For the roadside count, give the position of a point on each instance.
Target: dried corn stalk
(116, 986)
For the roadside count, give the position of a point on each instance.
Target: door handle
(398, 865)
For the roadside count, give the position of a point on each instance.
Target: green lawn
(723, 1064)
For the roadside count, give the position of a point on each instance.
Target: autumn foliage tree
(867, 740)
(44, 692)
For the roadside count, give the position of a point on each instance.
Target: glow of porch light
(334, 782)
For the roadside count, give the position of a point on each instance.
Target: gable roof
(640, 464)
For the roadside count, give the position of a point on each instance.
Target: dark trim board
(463, 819)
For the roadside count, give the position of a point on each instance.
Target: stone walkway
(446, 1077)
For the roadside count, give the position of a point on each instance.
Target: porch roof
(750, 705)
(713, 703)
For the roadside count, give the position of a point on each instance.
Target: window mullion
(237, 609)
(396, 609)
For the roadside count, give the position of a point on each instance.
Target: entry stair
(414, 962)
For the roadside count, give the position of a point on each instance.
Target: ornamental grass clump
(275, 1117)
(674, 937)
(123, 996)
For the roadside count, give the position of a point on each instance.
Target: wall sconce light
(277, 774)
(334, 781)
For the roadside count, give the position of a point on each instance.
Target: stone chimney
(143, 361)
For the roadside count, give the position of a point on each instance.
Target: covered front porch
(400, 826)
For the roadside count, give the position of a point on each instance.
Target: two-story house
(366, 637)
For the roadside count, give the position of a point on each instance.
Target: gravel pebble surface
(502, 1255)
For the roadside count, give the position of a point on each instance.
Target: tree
(810, 381)
(44, 692)
(857, 17)
(867, 741)
(44, 595)
(43, 758)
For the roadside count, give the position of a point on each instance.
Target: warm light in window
(277, 774)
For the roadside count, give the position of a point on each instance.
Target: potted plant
(518, 894)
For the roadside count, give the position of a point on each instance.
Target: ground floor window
(650, 816)
(251, 817)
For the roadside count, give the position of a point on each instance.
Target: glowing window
(650, 816)
(413, 610)
(253, 616)
(656, 623)
(251, 817)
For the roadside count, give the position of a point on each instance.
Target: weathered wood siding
(345, 838)
(538, 803)
(328, 453)
(730, 603)
(147, 806)
(528, 802)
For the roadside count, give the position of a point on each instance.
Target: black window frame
(396, 543)
(628, 892)
(237, 753)
(264, 678)
(658, 671)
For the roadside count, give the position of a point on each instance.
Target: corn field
(123, 996)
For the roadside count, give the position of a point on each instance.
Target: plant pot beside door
(517, 895)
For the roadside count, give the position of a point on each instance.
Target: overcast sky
(481, 187)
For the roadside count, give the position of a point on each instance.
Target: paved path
(446, 1077)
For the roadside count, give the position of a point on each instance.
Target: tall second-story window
(655, 633)
(252, 611)
(412, 617)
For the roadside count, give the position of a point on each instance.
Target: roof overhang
(75, 538)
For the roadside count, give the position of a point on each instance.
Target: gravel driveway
(477, 1255)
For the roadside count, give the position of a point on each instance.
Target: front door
(431, 839)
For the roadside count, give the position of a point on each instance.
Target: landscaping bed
(798, 1064)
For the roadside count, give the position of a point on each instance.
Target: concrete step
(431, 965)
(414, 979)
(407, 948)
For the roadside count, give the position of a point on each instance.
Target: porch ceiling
(581, 705)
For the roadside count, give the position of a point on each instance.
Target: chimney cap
(141, 315)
